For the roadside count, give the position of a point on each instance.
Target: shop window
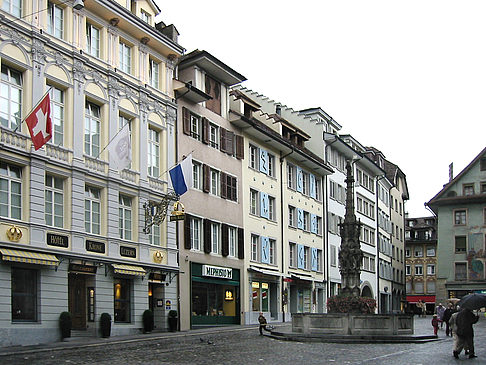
(213, 300)
(260, 296)
(122, 289)
(24, 295)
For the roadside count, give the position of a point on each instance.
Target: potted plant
(172, 320)
(65, 322)
(105, 324)
(148, 321)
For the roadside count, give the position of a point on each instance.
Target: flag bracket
(155, 213)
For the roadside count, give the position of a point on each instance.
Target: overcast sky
(407, 77)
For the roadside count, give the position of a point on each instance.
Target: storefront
(264, 295)
(215, 293)
(300, 295)
(429, 301)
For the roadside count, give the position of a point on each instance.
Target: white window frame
(272, 245)
(13, 84)
(13, 7)
(254, 203)
(232, 241)
(255, 239)
(125, 60)
(253, 157)
(215, 182)
(215, 238)
(54, 201)
(195, 228)
(125, 217)
(430, 269)
(13, 195)
(154, 67)
(196, 175)
(93, 39)
(153, 164)
(57, 115)
(92, 129)
(92, 209)
(55, 20)
(213, 135)
(154, 236)
(272, 208)
(419, 270)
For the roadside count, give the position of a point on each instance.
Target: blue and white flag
(181, 176)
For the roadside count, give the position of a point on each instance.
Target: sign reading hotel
(217, 272)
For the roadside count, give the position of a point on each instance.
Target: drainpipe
(283, 225)
(326, 243)
(378, 302)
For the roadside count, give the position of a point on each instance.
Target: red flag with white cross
(40, 123)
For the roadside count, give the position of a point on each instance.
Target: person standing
(465, 333)
(263, 323)
(435, 323)
(440, 309)
(446, 318)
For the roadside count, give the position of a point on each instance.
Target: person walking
(435, 323)
(465, 334)
(446, 318)
(440, 309)
(263, 323)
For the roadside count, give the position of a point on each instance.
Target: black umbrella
(473, 301)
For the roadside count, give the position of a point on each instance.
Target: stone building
(78, 243)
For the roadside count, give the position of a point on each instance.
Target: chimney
(451, 172)
(278, 109)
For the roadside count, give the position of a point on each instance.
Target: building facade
(460, 208)
(76, 240)
(421, 262)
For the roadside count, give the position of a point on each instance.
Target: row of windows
(10, 117)
(263, 205)
(384, 221)
(461, 217)
(367, 263)
(385, 270)
(333, 223)
(261, 160)
(418, 251)
(418, 287)
(419, 269)
(365, 180)
(337, 192)
(54, 202)
(299, 218)
(304, 257)
(337, 159)
(214, 182)
(365, 207)
(469, 189)
(384, 245)
(304, 182)
(263, 249)
(25, 299)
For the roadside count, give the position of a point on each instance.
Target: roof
(440, 195)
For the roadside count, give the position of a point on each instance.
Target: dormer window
(145, 16)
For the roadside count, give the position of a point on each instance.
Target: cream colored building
(82, 247)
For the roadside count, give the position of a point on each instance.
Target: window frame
(154, 73)
(18, 296)
(52, 188)
(57, 97)
(419, 270)
(7, 118)
(195, 226)
(92, 129)
(125, 302)
(153, 151)
(125, 214)
(93, 225)
(125, 57)
(13, 7)
(53, 27)
(13, 174)
(93, 48)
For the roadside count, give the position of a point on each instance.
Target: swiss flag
(40, 123)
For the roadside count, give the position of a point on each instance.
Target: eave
(188, 91)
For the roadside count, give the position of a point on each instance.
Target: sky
(406, 77)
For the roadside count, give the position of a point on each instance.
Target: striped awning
(128, 270)
(29, 257)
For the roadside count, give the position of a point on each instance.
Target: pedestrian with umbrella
(465, 320)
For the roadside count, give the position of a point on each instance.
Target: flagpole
(116, 134)
(36, 105)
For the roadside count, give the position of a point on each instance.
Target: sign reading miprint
(57, 240)
(93, 246)
(217, 272)
(128, 251)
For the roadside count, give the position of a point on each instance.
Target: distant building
(421, 261)
(461, 211)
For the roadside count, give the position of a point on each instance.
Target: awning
(300, 277)
(128, 270)
(423, 298)
(29, 257)
(263, 271)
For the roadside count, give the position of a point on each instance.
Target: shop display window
(122, 300)
(213, 300)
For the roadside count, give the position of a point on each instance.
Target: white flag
(120, 149)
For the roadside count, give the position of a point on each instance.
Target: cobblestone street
(243, 345)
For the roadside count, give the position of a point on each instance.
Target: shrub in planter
(349, 304)
(65, 322)
(148, 321)
(172, 320)
(105, 325)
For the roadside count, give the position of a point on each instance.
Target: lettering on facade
(217, 272)
(57, 240)
(128, 251)
(82, 268)
(93, 246)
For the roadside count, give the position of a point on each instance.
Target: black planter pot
(105, 325)
(65, 323)
(172, 324)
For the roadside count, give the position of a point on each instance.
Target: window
(365, 180)
(54, 201)
(306, 258)
(319, 190)
(57, 115)
(125, 57)
(368, 235)
(232, 242)
(483, 187)
(430, 269)
(468, 189)
(122, 289)
(154, 73)
(254, 157)
(365, 207)
(92, 122)
(215, 238)
(272, 244)
(196, 175)
(461, 271)
(153, 153)
(145, 16)
(271, 165)
(430, 251)
(13, 7)
(229, 187)
(253, 202)
(418, 251)
(305, 183)
(195, 127)
(195, 227)
(460, 244)
(213, 135)
(419, 270)
(408, 270)
(333, 261)
(125, 217)
(10, 97)
(271, 208)
(292, 254)
(154, 235)
(92, 40)
(407, 252)
(92, 210)
(215, 184)
(292, 216)
(306, 221)
(291, 176)
(55, 19)
(430, 287)
(254, 247)
(10, 191)
(24, 294)
(419, 287)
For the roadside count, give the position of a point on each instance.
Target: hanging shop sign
(128, 251)
(217, 272)
(93, 246)
(57, 240)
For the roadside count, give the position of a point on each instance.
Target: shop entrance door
(77, 301)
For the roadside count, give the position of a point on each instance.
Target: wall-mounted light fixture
(78, 4)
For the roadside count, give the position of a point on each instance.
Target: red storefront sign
(423, 298)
